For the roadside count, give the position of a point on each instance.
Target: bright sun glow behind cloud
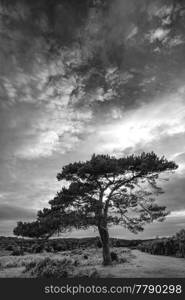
(177, 214)
(145, 124)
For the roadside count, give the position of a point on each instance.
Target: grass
(77, 263)
(88, 263)
(49, 268)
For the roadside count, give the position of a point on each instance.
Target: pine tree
(105, 191)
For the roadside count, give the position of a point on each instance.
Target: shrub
(76, 263)
(77, 252)
(57, 247)
(11, 264)
(178, 254)
(37, 248)
(114, 256)
(30, 266)
(123, 260)
(17, 251)
(99, 244)
(50, 268)
(48, 249)
(9, 248)
(89, 273)
(118, 244)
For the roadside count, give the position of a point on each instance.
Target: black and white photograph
(92, 139)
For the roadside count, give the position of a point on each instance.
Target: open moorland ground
(88, 263)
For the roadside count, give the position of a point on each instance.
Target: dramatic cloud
(8, 213)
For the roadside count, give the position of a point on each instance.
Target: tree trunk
(104, 235)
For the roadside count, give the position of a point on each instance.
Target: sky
(83, 77)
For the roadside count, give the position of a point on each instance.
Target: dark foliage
(114, 256)
(9, 248)
(99, 244)
(36, 248)
(17, 251)
(49, 268)
(60, 244)
(174, 246)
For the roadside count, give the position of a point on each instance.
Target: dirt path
(146, 265)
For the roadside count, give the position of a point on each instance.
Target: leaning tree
(48, 223)
(105, 191)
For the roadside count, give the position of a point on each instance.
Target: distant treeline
(59, 244)
(173, 246)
